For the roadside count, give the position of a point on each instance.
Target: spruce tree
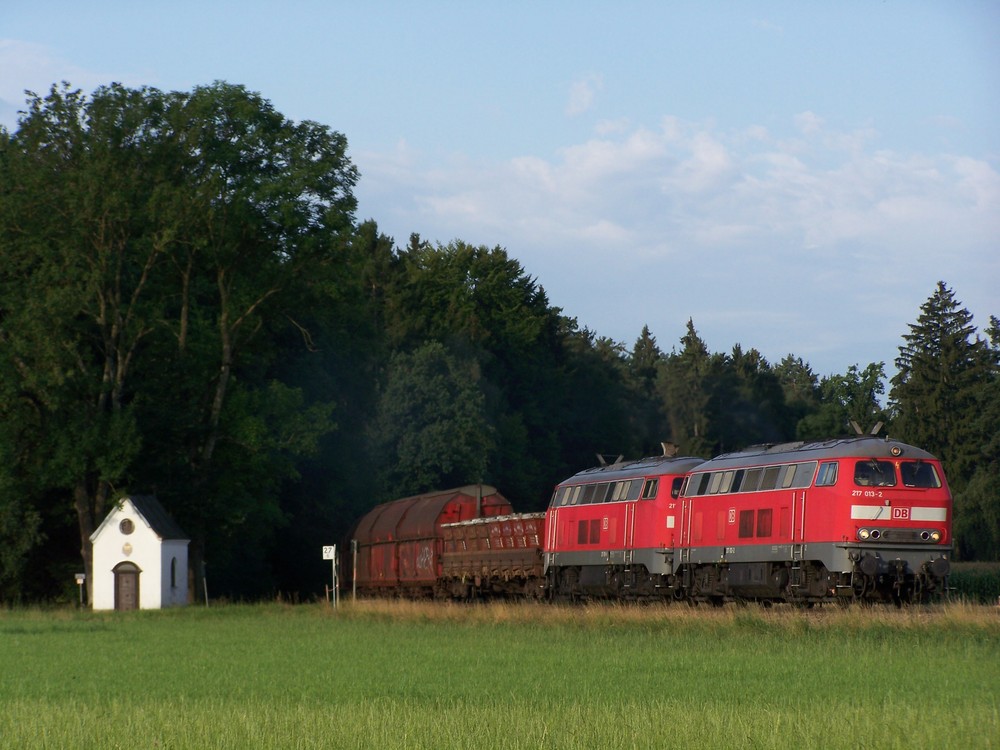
(684, 387)
(978, 525)
(945, 385)
(942, 366)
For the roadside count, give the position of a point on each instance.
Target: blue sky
(794, 177)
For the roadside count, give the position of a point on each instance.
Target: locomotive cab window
(675, 487)
(919, 474)
(872, 473)
(827, 476)
(649, 489)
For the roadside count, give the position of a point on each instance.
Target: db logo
(901, 514)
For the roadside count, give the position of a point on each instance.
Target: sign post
(330, 553)
(354, 570)
(81, 578)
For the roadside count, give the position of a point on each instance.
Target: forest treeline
(190, 307)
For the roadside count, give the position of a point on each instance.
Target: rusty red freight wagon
(500, 555)
(399, 544)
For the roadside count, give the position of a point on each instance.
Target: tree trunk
(89, 512)
(85, 519)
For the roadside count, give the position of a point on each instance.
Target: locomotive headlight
(935, 536)
(863, 533)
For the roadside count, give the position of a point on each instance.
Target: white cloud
(34, 67)
(707, 165)
(637, 226)
(611, 127)
(808, 122)
(690, 181)
(582, 93)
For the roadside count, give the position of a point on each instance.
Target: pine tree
(644, 364)
(978, 526)
(684, 387)
(942, 398)
(941, 367)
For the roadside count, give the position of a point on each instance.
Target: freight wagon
(398, 545)
(498, 555)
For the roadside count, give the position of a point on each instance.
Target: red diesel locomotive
(860, 518)
(613, 531)
(857, 518)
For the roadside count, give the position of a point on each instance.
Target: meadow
(405, 675)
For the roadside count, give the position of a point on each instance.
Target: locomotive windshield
(919, 474)
(872, 473)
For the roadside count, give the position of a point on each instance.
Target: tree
(483, 307)
(978, 520)
(430, 429)
(945, 400)
(594, 405)
(801, 387)
(154, 244)
(644, 365)
(942, 366)
(76, 285)
(684, 388)
(846, 400)
(754, 410)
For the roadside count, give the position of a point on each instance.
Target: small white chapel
(140, 557)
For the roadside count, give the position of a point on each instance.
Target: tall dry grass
(964, 615)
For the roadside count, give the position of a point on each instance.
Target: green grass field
(398, 675)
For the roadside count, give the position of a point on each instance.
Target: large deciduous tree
(153, 242)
